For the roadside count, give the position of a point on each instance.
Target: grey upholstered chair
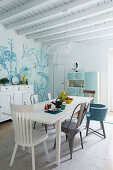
(72, 128)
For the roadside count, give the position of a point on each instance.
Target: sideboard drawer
(21, 88)
(6, 89)
(30, 88)
(15, 88)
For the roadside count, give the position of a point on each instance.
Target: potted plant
(4, 81)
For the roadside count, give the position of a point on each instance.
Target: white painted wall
(62, 54)
(91, 56)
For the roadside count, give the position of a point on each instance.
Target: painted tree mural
(38, 76)
(7, 58)
(41, 60)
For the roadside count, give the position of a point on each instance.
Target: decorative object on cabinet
(75, 67)
(15, 80)
(16, 94)
(77, 82)
(24, 79)
(89, 93)
(4, 81)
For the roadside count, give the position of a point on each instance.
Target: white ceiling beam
(91, 12)
(83, 31)
(90, 36)
(74, 26)
(57, 11)
(28, 7)
(4, 2)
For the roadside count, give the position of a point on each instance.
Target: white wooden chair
(25, 136)
(50, 96)
(34, 98)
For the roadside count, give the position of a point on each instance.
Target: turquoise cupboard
(78, 76)
(78, 81)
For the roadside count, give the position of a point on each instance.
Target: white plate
(53, 110)
(15, 80)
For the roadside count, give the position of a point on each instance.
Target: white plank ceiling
(57, 21)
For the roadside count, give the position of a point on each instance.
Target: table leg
(58, 141)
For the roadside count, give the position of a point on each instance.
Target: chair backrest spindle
(82, 113)
(22, 121)
(35, 98)
(50, 95)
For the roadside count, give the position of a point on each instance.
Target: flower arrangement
(62, 96)
(4, 81)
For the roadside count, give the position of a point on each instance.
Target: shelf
(76, 83)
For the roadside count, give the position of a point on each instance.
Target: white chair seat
(38, 136)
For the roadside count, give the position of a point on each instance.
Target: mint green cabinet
(77, 76)
(77, 82)
(92, 83)
(80, 91)
(75, 91)
(72, 91)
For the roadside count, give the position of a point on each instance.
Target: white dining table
(39, 115)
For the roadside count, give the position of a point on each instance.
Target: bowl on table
(68, 101)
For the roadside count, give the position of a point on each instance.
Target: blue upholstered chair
(96, 112)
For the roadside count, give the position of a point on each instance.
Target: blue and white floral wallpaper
(32, 62)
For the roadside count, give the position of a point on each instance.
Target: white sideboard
(16, 94)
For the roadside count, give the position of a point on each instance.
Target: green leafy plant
(3, 80)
